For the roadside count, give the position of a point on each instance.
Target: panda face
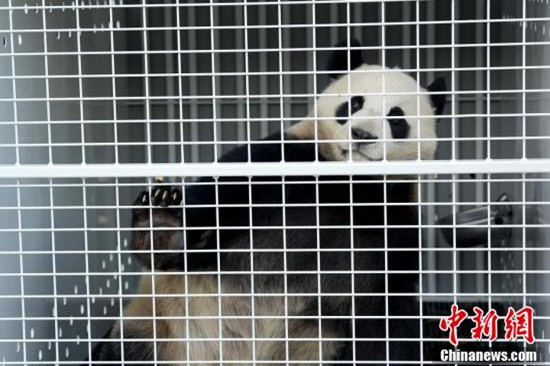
(369, 122)
(374, 113)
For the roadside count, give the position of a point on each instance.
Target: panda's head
(373, 112)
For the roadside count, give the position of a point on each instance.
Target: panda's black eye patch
(398, 124)
(346, 109)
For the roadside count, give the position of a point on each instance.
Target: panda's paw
(163, 196)
(158, 222)
(160, 201)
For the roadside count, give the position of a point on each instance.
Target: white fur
(371, 117)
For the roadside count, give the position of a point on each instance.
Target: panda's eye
(398, 124)
(356, 103)
(345, 110)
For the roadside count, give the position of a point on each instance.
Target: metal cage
(99, 97)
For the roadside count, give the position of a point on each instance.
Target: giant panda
(333, 238)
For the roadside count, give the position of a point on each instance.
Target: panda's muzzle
(359, 134)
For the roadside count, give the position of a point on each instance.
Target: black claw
(142, 199)
(160, 196)
(175, 196)
(156, 195)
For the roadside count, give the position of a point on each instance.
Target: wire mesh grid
(267, 260)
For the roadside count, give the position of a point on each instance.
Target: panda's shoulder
(269, 149)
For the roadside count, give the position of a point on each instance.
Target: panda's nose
(359, 134)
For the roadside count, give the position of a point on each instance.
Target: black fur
(398, 124)
(438, 100)
(300, 199)
(343, 112)
(338, 60)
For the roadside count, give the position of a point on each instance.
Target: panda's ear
(338, 59)
(438, 100)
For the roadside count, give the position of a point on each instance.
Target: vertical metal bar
(193, 84)
(50, 160)
(480, 6)
(386, 269)
(22, 276)
(243, 132)
(180, 84)
(147, 101)
(489, 157)
(250, 211)
(54, 267)
(418, 188)
(283, 181)
(285, 265)
(218, 269)
(263, 78)
(524, 153)
(524, 81)
(431, 194)
(14, 84)
(454, 81)
(170, 84)
(18, 188)
(113, 81)
(86, 269)
(310, 33)
(186, 289)
(385, 182)
(78, 36)
(383, 91)
(152, 273)
(286, 61)
(217, 187)
(524, 235)
(352, 242)
(150, 161)
(352, 274)
(120, 270)
(213, 64)
(489, 287)
(117, 213)
(348, 90)
(47, 81)
(454, 148)
(252, 298)
(282, 86)
(319, 282)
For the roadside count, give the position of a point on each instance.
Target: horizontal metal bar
(263, 142)
(250, 339)
(276, 120)
(412, 167)
(278, 49)
(121, 75)
(277, 205)
(146, 97)
(108, 26)
(125, 251)
(247, 362)
(281, 272)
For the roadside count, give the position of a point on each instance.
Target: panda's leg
(110, 350)
(366, 349)
(146, 221)
(406, 328)
(363, 347)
